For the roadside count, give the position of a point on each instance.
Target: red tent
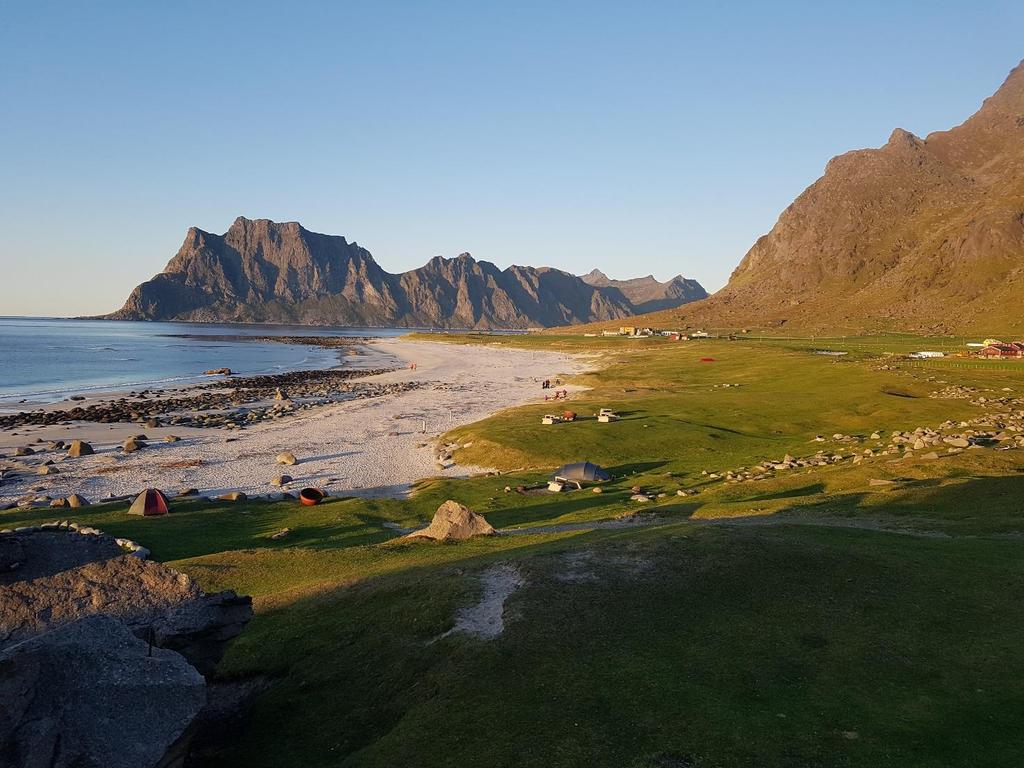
(149, 503)
(707, 359)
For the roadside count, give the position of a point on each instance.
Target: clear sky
(652, 137)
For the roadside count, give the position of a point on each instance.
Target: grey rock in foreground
(92, 695)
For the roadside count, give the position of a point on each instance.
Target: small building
(627, 330)
(1014, 349)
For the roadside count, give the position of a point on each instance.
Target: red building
(1013, 349)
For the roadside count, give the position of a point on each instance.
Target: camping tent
(583, 472)
(150, 502)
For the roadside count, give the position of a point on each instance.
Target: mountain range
(646, 294)
(264, 271)
(921, 235)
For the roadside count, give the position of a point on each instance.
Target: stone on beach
(281, 480)
(233, 496)
(132, 444)
(80, 448)
(287, 458)
(454, 522)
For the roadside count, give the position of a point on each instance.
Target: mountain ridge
(647, 293)
(265, 271)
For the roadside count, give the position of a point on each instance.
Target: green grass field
(814, 618)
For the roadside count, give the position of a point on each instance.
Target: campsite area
(825, 568)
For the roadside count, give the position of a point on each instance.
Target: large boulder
(64, 576)
(454, 522)
(92, 695)
(200, 629)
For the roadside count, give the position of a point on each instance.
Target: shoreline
(372, 446)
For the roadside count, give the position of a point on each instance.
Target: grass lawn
(814, 618)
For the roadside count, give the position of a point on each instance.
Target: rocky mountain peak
(266, 271)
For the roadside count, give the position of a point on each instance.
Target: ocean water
(44, 359)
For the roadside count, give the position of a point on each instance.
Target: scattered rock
(218, 372)
(24, 451)
(281, 480)
(171, 439)
(287, 458)
(280, 534)
(233, 496)
(75, 501)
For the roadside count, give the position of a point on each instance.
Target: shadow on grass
(791, 493)
(635, 468)
(975, 505)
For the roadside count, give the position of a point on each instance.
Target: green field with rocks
(800, 560)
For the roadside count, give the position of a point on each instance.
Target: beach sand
(370, 447)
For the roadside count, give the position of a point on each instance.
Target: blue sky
(638, 138)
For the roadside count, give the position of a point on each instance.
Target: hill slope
(263, 271)
(920, 235)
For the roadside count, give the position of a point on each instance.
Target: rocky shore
(227, 403)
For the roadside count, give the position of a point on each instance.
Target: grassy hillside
(852, 614)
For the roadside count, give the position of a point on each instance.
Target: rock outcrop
(454, 522)
(263, 271)
(90, 694)
(102, 653)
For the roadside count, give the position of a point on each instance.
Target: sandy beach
(374, 447)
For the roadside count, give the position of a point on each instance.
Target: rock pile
(238, 403)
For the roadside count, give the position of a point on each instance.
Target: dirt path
(485, 619)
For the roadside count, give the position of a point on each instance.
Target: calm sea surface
(49, 359)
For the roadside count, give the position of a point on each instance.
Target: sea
(48, 359)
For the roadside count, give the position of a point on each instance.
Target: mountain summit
(264, 271)
(922, 235)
